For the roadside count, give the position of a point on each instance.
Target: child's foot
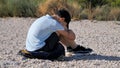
(25, 53)
(79, 49)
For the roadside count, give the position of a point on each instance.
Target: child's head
(64, 14)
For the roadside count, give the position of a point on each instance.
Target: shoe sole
(69, 54)
(83, 52)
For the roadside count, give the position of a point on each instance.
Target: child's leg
(67, 42)
(57, 52)
(52, 50)
(50, 43)
(73, 46)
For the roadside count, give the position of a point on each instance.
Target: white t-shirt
(40, 30)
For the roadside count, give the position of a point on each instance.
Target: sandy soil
(102, 36)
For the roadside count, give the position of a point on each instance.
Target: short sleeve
(57, 26)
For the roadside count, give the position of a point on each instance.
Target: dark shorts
(52, 50)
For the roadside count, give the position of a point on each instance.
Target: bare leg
(71, 43)
(67, 42)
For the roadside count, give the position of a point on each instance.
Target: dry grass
(101, 13)
(114, 14)
(37, 8)
(107, 13)
(50, 6)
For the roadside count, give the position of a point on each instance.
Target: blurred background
(79, 9)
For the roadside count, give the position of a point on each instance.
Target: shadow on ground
(92, 57)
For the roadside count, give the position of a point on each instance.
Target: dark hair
(65, 14)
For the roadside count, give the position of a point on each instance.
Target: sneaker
(25, 53)
(79, 49)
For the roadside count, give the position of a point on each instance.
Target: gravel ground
(102, 36)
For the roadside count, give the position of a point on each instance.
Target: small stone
(0, 57)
